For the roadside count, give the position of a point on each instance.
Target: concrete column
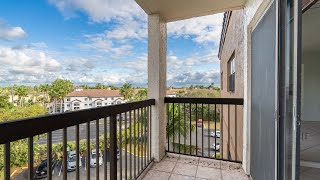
(157, 77)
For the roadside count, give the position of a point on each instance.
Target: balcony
(124, 135)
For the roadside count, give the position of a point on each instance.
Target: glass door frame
(289, 50)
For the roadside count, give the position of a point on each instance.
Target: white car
(93, 157)
(72, 161)
(118, 154)
(215, 134)
(216, 147)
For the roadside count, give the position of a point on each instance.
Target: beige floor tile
(205, 162)
(230, 165)
(189, 160)
(185, 169)
(208, 173)
(165, 166)
(181, 177)
(234, 174)
(171, 157)
(156, 175)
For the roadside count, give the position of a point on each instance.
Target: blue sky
(99, 41)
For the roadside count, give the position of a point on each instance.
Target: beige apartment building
(231, 73)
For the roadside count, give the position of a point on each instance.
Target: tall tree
(4, 101)
(21, 92)
(127, 91)
(141, 95)
(101, 86)
(59, 89)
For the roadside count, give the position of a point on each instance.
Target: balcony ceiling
(173, 10)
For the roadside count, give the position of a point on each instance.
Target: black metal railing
(205, 127)
(122, 136)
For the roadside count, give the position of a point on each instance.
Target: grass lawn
(205, 123)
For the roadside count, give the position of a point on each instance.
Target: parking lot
(58, 174)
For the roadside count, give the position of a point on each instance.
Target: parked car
(118, 153)
(216, 147)
(215, 134)
(42, 170)
(72, 161)
(121, 118)
(93, 157)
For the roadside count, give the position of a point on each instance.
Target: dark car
(41, 171)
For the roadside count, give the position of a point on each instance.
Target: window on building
(76, 108)
(112, 103)
(68, 99)
(105, 98)
(105, 104)
(76, 104)
(86, 99)
(68, 105)
(231, 74)
(112, 98)
(85, 104)
(90, 104)
(99, 103)
(90, 99)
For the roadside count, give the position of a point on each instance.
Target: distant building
(91, 98)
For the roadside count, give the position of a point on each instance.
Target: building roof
(95, 93)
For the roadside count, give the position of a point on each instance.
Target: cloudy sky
(99, 41)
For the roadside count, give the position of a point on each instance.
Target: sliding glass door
(289, 88)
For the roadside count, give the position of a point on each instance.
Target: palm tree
(21, 92)
(44, 88)
(59, 89)
(177, 127)
(127, 91)
(141, 95)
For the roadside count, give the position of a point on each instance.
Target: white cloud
(102, 44)
(26, 65)
(11, 33)
(193, 77)
(100, 10)
(200, 29)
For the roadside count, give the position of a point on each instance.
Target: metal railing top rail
(24, 128)
(233, 101)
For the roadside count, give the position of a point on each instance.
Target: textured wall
(234, 44)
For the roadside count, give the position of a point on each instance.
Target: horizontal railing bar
(38, 125)
(235, 101)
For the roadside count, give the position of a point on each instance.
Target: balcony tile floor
(181, 167)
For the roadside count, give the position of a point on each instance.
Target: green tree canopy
(141, 95)
(127, 91)
(4, 101)
(60, 88)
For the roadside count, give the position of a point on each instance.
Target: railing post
(113, 147)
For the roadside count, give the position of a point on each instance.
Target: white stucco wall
(310, 87)
(84, 102)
